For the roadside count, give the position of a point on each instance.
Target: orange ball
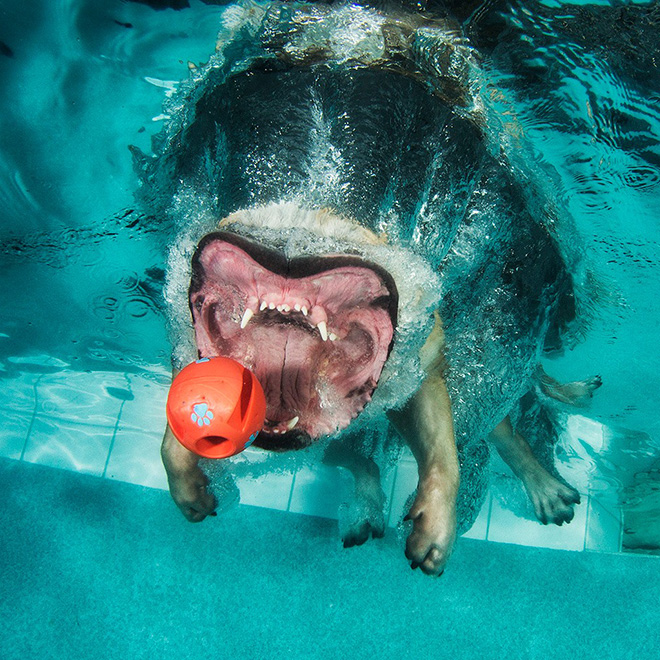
(216, 407)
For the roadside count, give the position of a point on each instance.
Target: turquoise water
(571, 97)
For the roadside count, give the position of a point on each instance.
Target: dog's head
(310, 302)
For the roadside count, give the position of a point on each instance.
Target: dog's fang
(291, 424)
(323, 329)
(247, 315)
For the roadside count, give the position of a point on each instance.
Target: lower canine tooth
(323, 329)
(247, 315)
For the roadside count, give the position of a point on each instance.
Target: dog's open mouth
(316, 331)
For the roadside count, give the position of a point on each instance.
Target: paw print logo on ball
(201, 414)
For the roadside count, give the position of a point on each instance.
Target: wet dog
(345, 233)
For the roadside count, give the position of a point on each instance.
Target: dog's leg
(577, 393)
(186, 480)
(426, 424)
(553, 501)
(363, 516)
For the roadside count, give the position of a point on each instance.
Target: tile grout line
(114, 432)
(33, 418)
(293, 485)
(490, 510)
(112, 441)
(586, 523)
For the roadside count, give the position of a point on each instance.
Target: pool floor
(97, 568)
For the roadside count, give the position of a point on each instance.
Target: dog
(345, 231)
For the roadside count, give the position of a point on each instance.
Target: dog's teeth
(280, 308)
(276, 431)
(247, 315)
(296, 307)
(303, 309)
(271, 306)
(263, 306)
(291, 424)
(332, 336)
(286, 308)
(323, 329)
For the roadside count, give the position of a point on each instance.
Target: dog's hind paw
(362, 518)
(552, 500)
(577, 393)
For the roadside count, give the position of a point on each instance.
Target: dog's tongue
(316, 331)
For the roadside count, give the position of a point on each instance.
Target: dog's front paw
(189, 491)
(362, 518)
(434, 530)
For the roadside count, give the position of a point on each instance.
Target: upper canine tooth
(247, 315)
(291, 424)
(323, 329)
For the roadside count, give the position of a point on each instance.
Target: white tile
(319, 490)
(80, 397)
(603, 528)
(135, 458)
(135, 455)
(479, 529)
(13, 432)
(145, 411)
(17, 402)
(271, 490)
(506, 527)
(17, 392)
(75, 420)
(584, 430)
(69, 445)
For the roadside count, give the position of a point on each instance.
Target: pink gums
(317, 343)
